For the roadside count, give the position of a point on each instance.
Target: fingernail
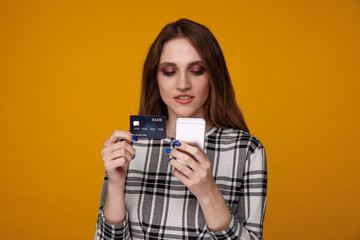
(134, 138)
(176, 143)
(170, 158)
(133, 157)
(168, 150)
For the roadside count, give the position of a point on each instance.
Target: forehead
(179, 50)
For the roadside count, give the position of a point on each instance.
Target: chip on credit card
(148, 126)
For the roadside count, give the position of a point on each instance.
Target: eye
(197, 70)
(168, 71)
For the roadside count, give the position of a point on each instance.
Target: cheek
(205, 88)
(162, 87)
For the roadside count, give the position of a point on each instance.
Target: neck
(170, 126)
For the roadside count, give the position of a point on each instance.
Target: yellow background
(70, 75)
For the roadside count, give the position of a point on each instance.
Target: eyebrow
(173, 64)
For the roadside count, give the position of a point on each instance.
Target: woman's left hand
(195, 171)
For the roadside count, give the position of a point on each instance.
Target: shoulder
(238, 137)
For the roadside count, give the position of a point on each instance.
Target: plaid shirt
(159, 206)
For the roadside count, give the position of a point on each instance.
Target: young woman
(219, 193)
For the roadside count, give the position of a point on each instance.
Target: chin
(188, 115)
(187, 112)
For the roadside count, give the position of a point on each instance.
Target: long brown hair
(221, 107)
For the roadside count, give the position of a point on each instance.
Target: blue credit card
(148, 126)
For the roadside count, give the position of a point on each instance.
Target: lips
(184, 98)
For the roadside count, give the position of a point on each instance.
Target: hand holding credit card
(143, 126)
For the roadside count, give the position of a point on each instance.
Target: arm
(104, 229)
(112, 219)
(197, 176)
(252, 201)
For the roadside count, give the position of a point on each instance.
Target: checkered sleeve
(252, 201)
(105, 230)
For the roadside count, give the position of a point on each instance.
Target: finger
(112, 165)
(194, 151)
(184, 157)
(179, 175)
(126, 136)
(185, 170)
(118, 154)
(122, 153)
(117, 146)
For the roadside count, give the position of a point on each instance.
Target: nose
(183, 82)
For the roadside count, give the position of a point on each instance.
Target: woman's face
(183, 80)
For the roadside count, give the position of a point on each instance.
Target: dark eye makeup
(197, 70)
(169, 71)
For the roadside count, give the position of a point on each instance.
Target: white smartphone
(191, 131)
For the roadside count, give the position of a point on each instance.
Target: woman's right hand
(117, 156)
